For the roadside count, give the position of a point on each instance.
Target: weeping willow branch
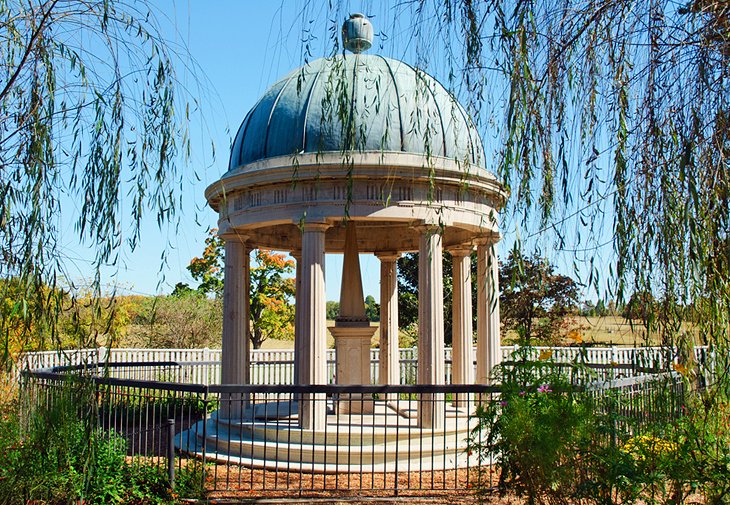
(91, 114)
(606, 118)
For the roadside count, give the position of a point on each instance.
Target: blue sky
(238, 49)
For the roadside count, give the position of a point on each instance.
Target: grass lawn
(289, 344)
(599, 331)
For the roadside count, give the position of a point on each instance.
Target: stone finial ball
(357, 33)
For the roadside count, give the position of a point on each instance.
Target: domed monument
(361, 154)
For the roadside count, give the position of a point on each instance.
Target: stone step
(429, 454)
(282, 449)
(383, 426)
(387, 439)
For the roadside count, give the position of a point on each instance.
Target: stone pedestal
(352, 331)
(352, 348)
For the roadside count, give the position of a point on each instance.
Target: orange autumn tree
(271, 290)
(208, 268)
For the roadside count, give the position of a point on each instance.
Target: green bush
(536, 435)
(554, 442)
(139, 403)
(57, 455)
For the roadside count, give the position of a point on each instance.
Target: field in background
(600, 331)
(611, 330)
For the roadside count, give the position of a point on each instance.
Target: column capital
(489, 238)
(315, 226)
(234, 236)
(296, 254)
(461, 250)
(432, 228)
(387, 255)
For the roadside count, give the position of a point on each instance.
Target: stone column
(462, 359)
(389, 363)
(488, 338)
(235, 355)
(430, 325)
(312, 363)
(296, 377)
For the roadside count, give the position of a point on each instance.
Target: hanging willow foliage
(89, 116)
(608, 121)
(639, 91)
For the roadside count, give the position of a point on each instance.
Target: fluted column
(312, 364)
(389, 363)
(462, 359)
(430, 325)
(296, 377)
(235, 357)
(488, 337)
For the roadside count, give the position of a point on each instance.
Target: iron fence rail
(259, 449)
(372, 440)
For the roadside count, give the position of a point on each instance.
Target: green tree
(89, 112)
(641, 306)
(101, 324)
(551, 296)
(333, 310)
(372, 309)
(271, 290)
(208, 268)
(408, 292)
(407, 269)
(534, 300)
(587, 308)
(187, 319)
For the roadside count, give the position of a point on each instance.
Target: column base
(355, 403)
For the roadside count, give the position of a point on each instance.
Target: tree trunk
(257, 338)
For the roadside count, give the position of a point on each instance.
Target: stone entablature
(270, 198)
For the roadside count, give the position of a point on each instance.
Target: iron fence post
(171, 452)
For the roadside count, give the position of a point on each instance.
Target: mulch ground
(233, 484)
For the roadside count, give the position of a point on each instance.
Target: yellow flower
(545, 355)
(643, 446)
(575, 336)
(679, 367)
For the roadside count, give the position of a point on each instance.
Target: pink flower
(544, 389)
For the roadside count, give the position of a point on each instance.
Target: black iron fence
(312, 439)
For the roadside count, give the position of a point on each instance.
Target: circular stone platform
(388, 440)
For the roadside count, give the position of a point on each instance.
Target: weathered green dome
(357, 103)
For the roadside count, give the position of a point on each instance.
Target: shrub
(59, 456)
(555, 442)
(536, 435)
(185, 320)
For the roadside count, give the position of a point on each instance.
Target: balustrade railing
(277, 366)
